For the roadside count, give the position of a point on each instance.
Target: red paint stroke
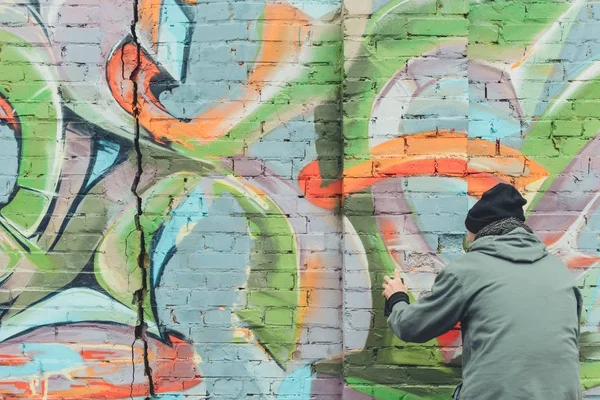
(285, 30)
(8, 115)
(98, 354)
(581, 262)
(449, 341)
(13, 360)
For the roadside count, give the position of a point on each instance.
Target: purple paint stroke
(504, 88)
(417, 71)
(418, 261)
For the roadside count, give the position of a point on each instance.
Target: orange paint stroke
(149, 21)
(309, 279)
(285, 29)
(13, 360)
(424, 154)
(388, 230)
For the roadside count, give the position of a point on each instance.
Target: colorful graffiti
(200, 199)
(444, 100)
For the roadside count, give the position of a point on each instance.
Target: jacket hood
(516, 246)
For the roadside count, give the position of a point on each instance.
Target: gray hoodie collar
(516, 246)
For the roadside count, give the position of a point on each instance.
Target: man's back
(518, 306)
(519, 310)
(520, 323)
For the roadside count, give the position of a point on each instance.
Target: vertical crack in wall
(141, 293)
(341, 163)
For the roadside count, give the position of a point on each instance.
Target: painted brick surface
(442, 100)
(200, 198)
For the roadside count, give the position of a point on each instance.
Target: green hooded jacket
(519, 311)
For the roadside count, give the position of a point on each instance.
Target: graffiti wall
(442, 100)
(200, 198)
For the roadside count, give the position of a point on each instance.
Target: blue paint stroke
(105, 158)
(166, 396)
(502, 127)
(379, 4)
(316, 9)
(58, 309)
(439, 205)
(294, 143)
(46, 358)
(190, 211)
(173, 32)
(9, 150)
(297, 385)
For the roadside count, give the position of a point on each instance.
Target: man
(518, 307)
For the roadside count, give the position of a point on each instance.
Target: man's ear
(468, 239)
(471, 236)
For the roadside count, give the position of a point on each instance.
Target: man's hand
(393, 285)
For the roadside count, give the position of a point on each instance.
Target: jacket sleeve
(431, 316)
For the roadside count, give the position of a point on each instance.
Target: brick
(221, 32)
(324, 335)
(82, 53)
(435, 27)
(454, 6)
(494, 12)
(483, 33)
(215, 11)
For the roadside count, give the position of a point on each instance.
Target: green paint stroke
(556, 138)
(116, 261)
(500, 29)
(390, 393)
(359, 209)
(39, 258)
(27, 83)
(388, 47)
(274, 295)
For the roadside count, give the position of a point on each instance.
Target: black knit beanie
(500, 202)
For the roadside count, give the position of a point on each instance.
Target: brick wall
(200, 198)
